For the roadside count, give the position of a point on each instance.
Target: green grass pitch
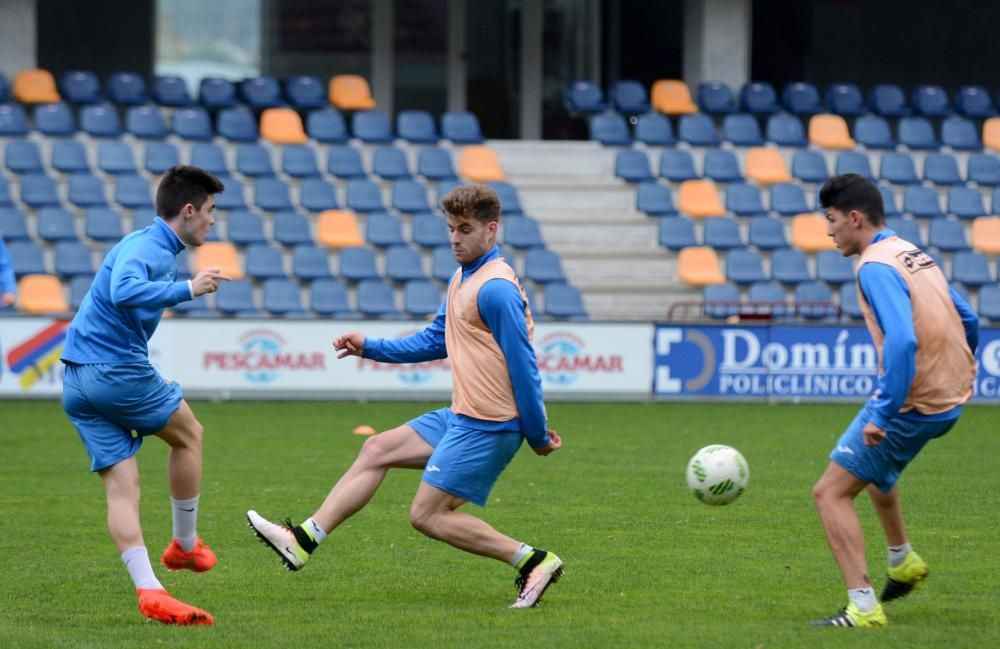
(646, 564)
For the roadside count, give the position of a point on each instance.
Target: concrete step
(600, 236)
(537, 200)
(633, 306)
(617, 272)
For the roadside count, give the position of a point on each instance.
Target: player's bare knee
(422, 520)
(373, 452)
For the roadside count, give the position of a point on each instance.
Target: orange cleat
(200, 559)
(157, 604)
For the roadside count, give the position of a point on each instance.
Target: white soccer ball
(717, 474)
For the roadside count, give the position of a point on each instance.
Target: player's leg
(434, 513)
(906, 567)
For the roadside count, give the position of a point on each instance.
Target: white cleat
(280, 538)
(545, 573)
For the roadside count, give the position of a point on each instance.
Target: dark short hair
(184, 184)
(478, 201)
(848, 192)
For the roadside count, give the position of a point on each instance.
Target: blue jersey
(136, 282)
(7, 284)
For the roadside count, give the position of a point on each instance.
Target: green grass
(647, 565)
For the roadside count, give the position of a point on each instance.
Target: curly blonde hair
(478, 201)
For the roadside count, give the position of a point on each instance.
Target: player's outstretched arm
(350, 344)
(555, 443)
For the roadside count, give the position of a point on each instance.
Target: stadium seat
(984, 169)
(160, 156)
(358, 264)
(100, 121)
(788, 199)
(306, 92)
(916, 133)
(461, 127)
(170, 90)
(218, 254)
(144, 218)
(291, 229)
(632, 166)
(27, 258)
(722, 167)
(327, 126)
(654, 130)
(145, 123)
(299, 161)
(41, 294)
(416, 127)
(421, 298)
(435, 164)
(960, 134)
(610, 129)
(371, 127)
(829, 132)
(721, 300)
(23, 157)
(383, 230)
(628, 97)
(766, 167)
(677, 165)
(126, 89)
(700, 199)
(941, 169)
(677, 233)
(72, 258)
(272, 195)
(716, 98)
(564, 301)
(78, 288)
(409, 197)
(522, 233)
(69, 157)
(13, 121)
(543, 266)
(965, 202)
(192, 124)
(833, 268)
(974, 101)
(584, 96)
(853, 162)
(947, 235)
(389, 163)
(281, 297)
(350, 92)
(443, 264)
(364, 196)
(216, 93)
(931, 100)
(4, 89)
(989, 302)
(310, 263)
(809, 167)
(316, 195)
(38, 190)
(699, 266)
(13, 224)
(802, 98)
(344, 162)
(282, 126)
(56, 224)
(723, 233)
(235, 297)
(742, 130)
(767, 233)
(54, 120)
(767, 298)
(86, 190)
(403, 264)
(254, 160)
(244, 228)
(428, 230)
(35, 86)
(744, 199)
(971, 268)
(814, 301)
(986, 235)
(888, 100)
(232, 197)
(79, 87)
(264, 261)
(991, 132)
(328, 298)
(261, 93)
(697, 130)
(786, 130)
(237, 124)
(849, 305)
(480, 164)
(898, 169)
(872, 132)
(906, 229)
(809, 233)
(5, 196)
(654, 199)
(759, 98)
(845, 99)
(376, 299)
(672, 97)
(115, 158)
(103, 224)
(744, 266)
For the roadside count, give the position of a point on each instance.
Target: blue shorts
(881, 465)
(466, 462)
(107, 402)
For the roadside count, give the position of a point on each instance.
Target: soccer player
(110, 389)
(484, 326)
(8, 288)
(926, 336)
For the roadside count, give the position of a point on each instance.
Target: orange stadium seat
(766, 167)
(351, 92)
(673, 97)
(338, 229)
(986, 235)
(699, 198)
(282, 126)
(41, 294)
(809, 233)
(220, 254)
(991, 133)
(35, 86)
(699, 266)
(830, 132)
(480, 164)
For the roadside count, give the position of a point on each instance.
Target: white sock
(185, 516)
(136, 561)
(523, 551)
(315, 530)
(863, 598)
(897, 553)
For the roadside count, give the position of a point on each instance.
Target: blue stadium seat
(654, 199)
(416, 127)
(897, 168)
(357, 264)
(328, 298)
(721, 300)
(716, 98)
(344, 162)
(916, 133)
(38, 190)
(72, 258)
(922, 202)
(26, 258)
(996, 201)
(610, 129)
(145, 123)
(845, 99)
(722, 233)
(403, 264)
(654, 129)
(971, 268)
(5, 197)
(989, 302)
(443, 264)
(281, 297)
(788, 199)
(767, 299)
(853, 162)
(742, 130)
(446, 186)
(584, 97)
(421, 298)
(133, 192)
(232, 197)
(947, 235)
(23, 157)
(461, 127)
(833, 267)
(78, 288)
(629, 97)
(814, 301)
(254, 160)
(80, 87)
(790, 266)
(235, 297)
(299, 161)
(697, 130)
(632, 166)
(371, 127)
(677, 165)
(543, 266)
(311, 262)
(200, 307)
(974, 101)
(69, 157)
(677, 232)
(13, 121)
(965, 202)
(389, 163)
(316, 195)
(306, 92)
(192, 124)
(100, 120)
(429, 230)
(889, 205)
(272, 195)
(261, 92)
(906, 229)
(801, 98)
(409, 197)
(143, 219)
(810, 167)
(56, 224)
(383, 230)
(4, 89)
(931, 100)
(327, 126)
(984, 169)
(721, 166)
(376, 299)
(759, 98)
(13, 224)
(115, 158)
(170, 90)
(126, 88)
(237, 124)
(743, 199)
(522, 233)
(872, 132)
(160, 156)
(54, 120)
(564, 301)
(244, 228)
(941, 169)
(849, 305)
(960, 134)
(435, 164)
(888, 100)
(86, 190)
(103, 224)
(786, 130)
(292, 229)
(216, 93)
(364, 196)
(744, 266)
(264, 261)
(767, 233)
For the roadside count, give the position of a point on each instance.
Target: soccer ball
(717, 474)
